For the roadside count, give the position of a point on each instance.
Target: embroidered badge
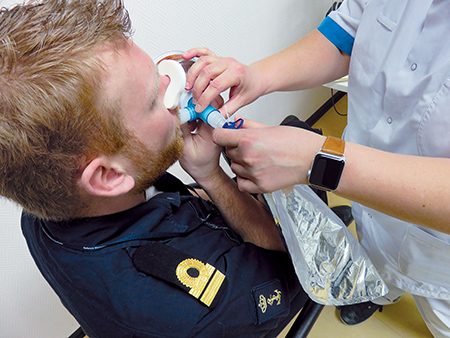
(269, 300)
(273, 299)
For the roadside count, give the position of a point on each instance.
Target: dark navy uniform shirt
(90, 264)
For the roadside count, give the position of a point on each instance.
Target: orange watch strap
(334, 146)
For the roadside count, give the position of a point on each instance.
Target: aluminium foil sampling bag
(330, 264)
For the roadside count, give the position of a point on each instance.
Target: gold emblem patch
(264, 302)
(205, 285)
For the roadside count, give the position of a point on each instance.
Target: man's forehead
(127, 66)
(126, 53)
(118, 47)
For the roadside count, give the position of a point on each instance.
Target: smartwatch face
(327, 172)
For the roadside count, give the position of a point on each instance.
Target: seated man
(85, 142)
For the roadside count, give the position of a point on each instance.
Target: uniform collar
(146, 220)
(141, 221)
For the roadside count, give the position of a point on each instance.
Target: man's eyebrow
(155, 89)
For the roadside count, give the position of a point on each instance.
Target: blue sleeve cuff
(337, 35)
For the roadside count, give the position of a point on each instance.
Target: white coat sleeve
(341, 25)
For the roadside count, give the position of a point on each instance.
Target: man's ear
(106, 177)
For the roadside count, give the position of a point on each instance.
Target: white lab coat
(399, 101)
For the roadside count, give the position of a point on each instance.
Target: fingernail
(199, 108)
(188, 86)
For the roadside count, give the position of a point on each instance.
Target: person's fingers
(212, 78)
(192, 74)
(196, 52)
(236, 99)
(239, 170)
(217, 102)
(207, 96)
(227, 137)
(196, 71)
(247, 186)
(220, 79)
(233, 155)
(231, 106)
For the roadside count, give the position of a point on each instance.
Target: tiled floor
(400, 320)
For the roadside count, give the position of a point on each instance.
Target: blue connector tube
(209, 115)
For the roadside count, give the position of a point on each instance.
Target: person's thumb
(227, 137)
(247, 185)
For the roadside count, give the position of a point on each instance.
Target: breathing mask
(177, 97)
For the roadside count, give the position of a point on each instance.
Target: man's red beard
(150, 165)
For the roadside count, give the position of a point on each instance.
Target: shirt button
(414, 66)
(389, 120)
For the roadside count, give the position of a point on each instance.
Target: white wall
(247, 30)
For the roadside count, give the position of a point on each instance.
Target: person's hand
(267, 158)
(211, 75)
(201, 155)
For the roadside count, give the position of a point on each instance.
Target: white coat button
(414, 66)
(389, 120)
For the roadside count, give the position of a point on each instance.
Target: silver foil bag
(330, 264)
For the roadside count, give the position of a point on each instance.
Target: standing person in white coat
(396, 162)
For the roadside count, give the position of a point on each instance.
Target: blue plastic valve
(209, 115)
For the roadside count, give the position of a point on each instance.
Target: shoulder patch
(201, 280)
(270, 301)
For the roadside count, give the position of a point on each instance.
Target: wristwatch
(328, 165)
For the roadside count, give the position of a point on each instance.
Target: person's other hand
(267, 158)
(211, 75)
(201, 155)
